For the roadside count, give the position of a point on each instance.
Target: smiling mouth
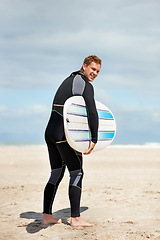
(93, 77)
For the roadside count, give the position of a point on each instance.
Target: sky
(43, 41)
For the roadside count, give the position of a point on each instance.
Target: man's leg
(57, 172)
(74, 162)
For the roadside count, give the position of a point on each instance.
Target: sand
(121, 195)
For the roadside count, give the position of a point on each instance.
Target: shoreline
(113, 145)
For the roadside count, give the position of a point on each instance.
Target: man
(60, 153)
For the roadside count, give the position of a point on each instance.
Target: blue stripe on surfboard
(85, 134)
(105, 135)
(88, 140)
(79, 105)
(87, 130)
(74, 108)
(104, 116)
(84, 108)
(80, 110)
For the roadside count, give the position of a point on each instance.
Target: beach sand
(121, 195)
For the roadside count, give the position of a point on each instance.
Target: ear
(84, 66)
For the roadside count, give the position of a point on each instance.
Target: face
(91, 71)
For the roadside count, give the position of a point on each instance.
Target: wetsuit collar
(80, 73)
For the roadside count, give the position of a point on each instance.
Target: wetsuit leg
(57, 172)
(73, 161)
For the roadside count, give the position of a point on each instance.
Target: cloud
(25, 124)
(42, 43)
(21, 113)
(128, 62)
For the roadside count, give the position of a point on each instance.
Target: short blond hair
(92, 58)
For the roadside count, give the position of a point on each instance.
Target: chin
(90, 79)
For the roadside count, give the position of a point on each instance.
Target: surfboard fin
(67, 120)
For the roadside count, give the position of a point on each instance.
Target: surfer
(61, 155)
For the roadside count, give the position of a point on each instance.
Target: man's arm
(92, 114)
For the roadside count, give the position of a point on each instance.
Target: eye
(94, 69)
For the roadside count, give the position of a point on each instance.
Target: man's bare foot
(49, 219)
(79, 222)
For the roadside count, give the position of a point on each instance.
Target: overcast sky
(42, 42)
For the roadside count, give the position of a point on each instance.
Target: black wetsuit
(60, 153)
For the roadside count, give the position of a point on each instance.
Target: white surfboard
(77, 129)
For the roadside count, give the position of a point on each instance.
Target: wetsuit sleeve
(88, 96)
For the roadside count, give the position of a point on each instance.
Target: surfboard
(76, 126)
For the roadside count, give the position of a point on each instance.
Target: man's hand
(91, 147)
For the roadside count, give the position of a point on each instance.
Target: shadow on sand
(36, 226)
